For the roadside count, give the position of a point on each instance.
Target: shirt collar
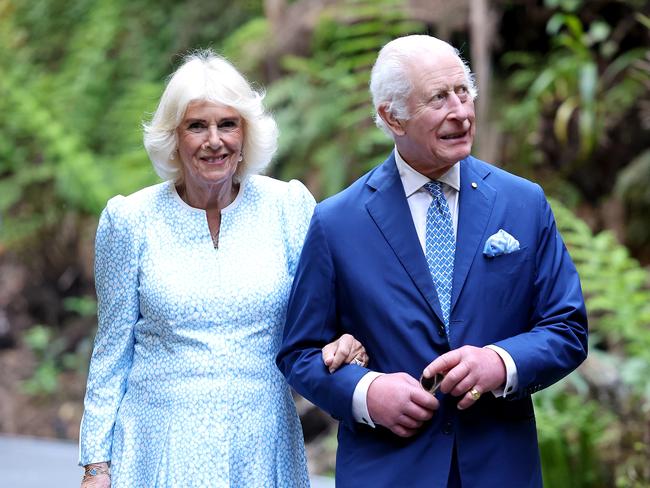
(413, 181)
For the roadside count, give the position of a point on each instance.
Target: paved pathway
(27, 462)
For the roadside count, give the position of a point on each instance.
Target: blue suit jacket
(362, 271)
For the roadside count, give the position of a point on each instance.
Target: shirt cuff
(360, 399)
(512, 379)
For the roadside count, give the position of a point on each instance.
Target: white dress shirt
(419, 199)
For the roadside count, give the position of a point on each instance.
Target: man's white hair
(390, 79)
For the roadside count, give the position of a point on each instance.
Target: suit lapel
(389, 210)
(474, 210)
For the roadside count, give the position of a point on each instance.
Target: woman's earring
(241, 157)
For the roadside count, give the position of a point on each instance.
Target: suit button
(447, 428)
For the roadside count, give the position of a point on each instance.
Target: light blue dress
(183, 390)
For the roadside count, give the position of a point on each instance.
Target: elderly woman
(193, 277)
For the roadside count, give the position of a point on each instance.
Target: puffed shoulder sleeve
(298, 210)
(116, 281)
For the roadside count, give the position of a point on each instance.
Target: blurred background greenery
(564, 99)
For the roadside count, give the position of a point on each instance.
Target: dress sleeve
(298, 210)
(116, 281)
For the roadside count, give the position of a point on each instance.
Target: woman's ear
(393, 123)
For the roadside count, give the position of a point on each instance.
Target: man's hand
(468, 368)
(399, 403)
(346, 349)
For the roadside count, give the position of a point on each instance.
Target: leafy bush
(593, 425)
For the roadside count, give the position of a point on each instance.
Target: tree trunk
(482, 28)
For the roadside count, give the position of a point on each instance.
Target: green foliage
(584, 87)
(632, 187)
(53, 353)
(322, 104)
(247, 47)
(571, 431)
(616, 287)
(79, 77)
(45, 378)
(585, 441)
(51, 360)
(83, 306)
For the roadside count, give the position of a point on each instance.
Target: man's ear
(393, 123)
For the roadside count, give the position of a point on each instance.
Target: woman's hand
(101, 480)
(346, 349)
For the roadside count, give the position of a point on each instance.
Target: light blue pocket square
(500, 243)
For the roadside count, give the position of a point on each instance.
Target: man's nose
(458, 108)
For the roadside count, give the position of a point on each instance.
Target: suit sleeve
(556, 342)
(116, 279)
(311, 323)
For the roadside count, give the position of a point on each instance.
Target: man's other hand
(398, 402)
(468, 370)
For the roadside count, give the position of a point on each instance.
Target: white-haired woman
(193, 277)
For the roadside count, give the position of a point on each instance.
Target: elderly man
(447, 269)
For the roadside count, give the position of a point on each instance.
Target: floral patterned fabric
(183, 390)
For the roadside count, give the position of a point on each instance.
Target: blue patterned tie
(440, 247)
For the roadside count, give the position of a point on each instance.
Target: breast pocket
(507, 279)
(506, 264)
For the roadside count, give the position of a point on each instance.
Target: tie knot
(435, 188)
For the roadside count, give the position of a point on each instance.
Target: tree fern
(323, 105)
(585, 439)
